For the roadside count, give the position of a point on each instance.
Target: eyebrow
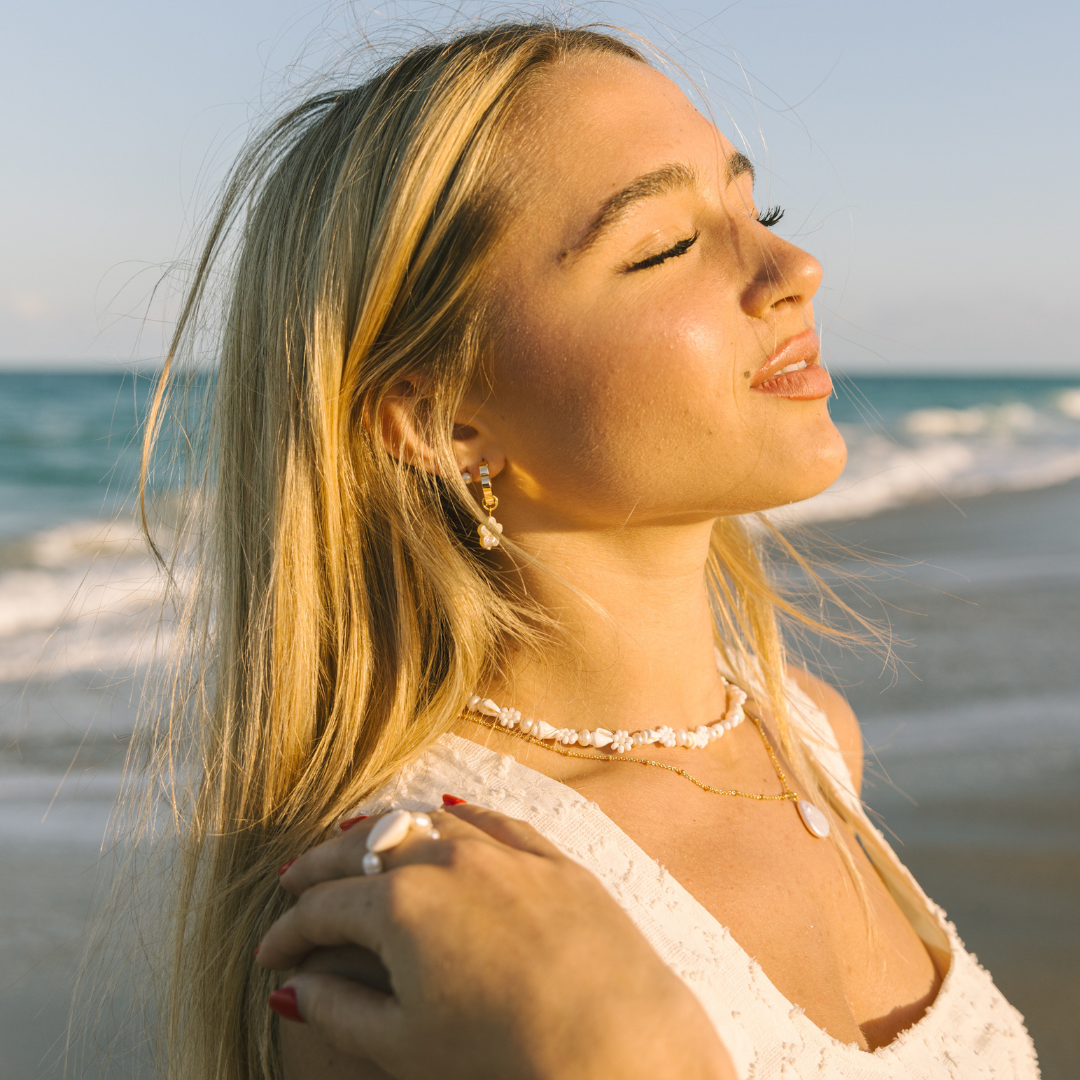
(668, 178)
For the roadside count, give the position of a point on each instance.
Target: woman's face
(642, 317)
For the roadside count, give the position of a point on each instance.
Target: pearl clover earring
(490, 532)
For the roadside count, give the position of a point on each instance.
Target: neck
(635, 648)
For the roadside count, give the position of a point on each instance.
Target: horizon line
(68, 365)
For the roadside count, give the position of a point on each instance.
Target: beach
(973, 737)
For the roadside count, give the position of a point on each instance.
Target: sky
(925, 152)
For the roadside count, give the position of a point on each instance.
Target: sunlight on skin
(659, 360)
(623, 416)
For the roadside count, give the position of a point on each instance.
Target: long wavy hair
(335, 610)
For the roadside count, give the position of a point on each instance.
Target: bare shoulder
(841, 718)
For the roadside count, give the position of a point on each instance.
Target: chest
(824, 929)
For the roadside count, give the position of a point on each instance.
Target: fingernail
(257, 948)
(285, 866)
(348, 823)
(284, 1003)
(452, 800)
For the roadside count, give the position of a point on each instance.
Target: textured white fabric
(970, 1032)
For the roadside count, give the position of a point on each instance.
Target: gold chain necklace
(817, 824)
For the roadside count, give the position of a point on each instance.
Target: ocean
(969, 488)
(74, 575)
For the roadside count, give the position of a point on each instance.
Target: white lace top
(969, 1032)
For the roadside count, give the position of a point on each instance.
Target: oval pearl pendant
(814, 820)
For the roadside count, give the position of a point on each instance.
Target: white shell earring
(490, 532)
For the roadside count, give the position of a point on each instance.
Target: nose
(784, 276)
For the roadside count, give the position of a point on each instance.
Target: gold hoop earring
(489, 534)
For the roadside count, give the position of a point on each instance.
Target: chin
(809, 474)
(822, 468)
(831, 459)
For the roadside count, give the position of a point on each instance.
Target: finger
(347, 911)
(343, 856)
(356, 1020)
(351, 962)
(340, 856)
(507, 830)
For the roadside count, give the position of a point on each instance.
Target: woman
(508, 354)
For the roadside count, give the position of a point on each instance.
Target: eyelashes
(771, 216)
(768, 217)
(673, 252)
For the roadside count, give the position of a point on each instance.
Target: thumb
(359, 1021)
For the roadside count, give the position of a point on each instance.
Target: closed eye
(680, 248)
(770, 217)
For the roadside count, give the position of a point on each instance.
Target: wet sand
(976, 770)
(46, 896)
(59, 777)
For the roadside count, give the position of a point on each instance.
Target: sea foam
(80, 598)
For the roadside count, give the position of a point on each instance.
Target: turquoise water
(69, 461)
(69, 442)
(68, 446)
(893, 396)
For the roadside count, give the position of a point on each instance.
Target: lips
(793, 371)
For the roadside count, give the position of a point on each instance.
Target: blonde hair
(341, 612)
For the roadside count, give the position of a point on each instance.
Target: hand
(505, 958)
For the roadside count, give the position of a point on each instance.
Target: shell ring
(391, 831)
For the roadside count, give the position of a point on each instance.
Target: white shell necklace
(619, 741)
(553, 738)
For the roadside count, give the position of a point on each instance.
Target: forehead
(593, 124)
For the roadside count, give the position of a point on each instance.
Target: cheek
(630, 395)
(682, 363)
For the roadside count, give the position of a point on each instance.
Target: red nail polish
(285, 866)
(284, 1003)
(348, 823)
(452, 800)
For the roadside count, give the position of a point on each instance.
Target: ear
(402, 416)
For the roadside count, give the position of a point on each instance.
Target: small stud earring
(489, 533)
(466, 476)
